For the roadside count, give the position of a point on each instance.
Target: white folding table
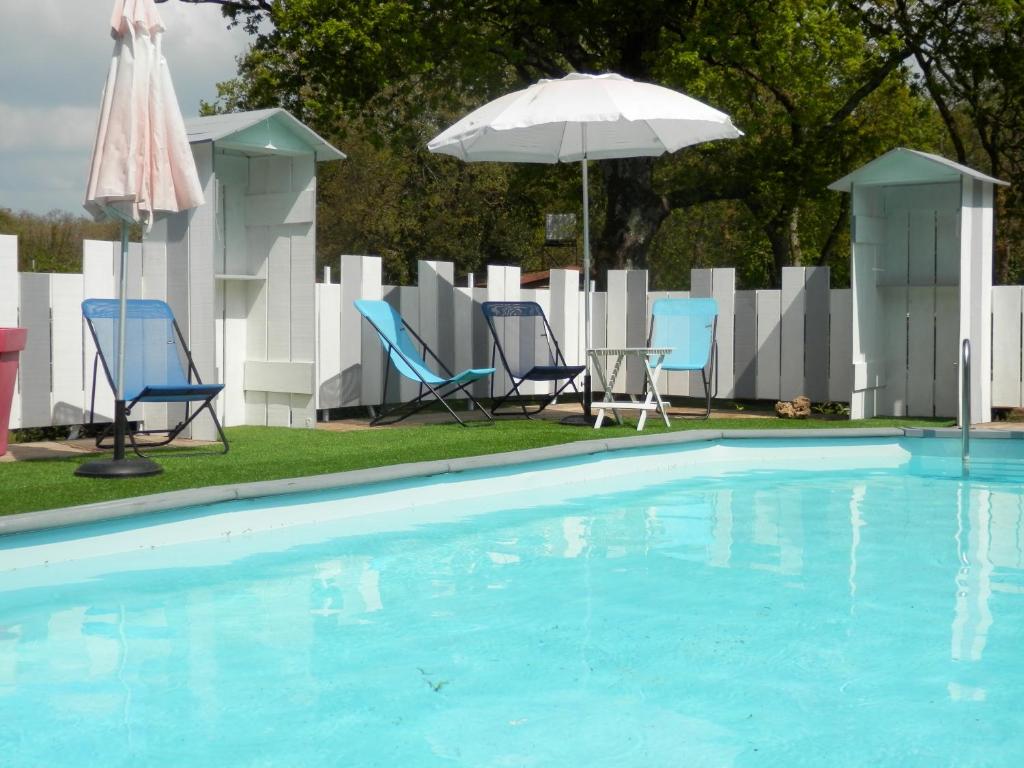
(605, 359)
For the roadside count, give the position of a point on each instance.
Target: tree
(968, 60)
(815, 85)
(53, 242)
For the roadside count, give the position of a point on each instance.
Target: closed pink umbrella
(141, 164)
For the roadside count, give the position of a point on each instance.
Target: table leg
(652, 377)
(609, 395)
(599, 368)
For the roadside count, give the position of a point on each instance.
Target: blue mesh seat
(529, 351)
(688, 326)
(400, 342)
(153, 356)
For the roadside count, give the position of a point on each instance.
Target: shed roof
(262, 131)
(908, 166)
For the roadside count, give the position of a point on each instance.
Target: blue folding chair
(397, 337)
(689, 327)
(153, 371)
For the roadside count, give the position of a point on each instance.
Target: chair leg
(514, 391)
(538, 406)
(176, 430)
(385, 418)
(707, 394)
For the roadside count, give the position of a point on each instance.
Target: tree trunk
(634, 213)
(780, 236)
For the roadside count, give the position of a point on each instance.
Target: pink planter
(12, 341)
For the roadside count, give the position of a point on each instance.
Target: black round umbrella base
(581, 420)
(115, 468)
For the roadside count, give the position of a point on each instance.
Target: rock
(799, 408)
(784, 409)
(802, 407)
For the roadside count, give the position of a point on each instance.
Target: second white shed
(921, 278)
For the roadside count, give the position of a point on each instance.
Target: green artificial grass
(267, 453)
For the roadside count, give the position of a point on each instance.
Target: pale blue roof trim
(909, 166)
(217, 127)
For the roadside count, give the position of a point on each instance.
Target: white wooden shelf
(239, 277)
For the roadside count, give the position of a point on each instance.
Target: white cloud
(55, 54)
(42, 128)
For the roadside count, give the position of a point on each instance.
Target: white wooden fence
(773, 344)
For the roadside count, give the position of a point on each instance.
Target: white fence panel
(67, 401)
(816, 333)
(482, 342)
(1007, 306)
(745, 345)
(840, 367)
(636, 325)
(35, 358)
(360, 352)
(617, 299)
(535, 352)
(97, 283)
(400, 388)
(723, 291)
(10, 289)
(504, 284)
(465, 319)
(564, 318)
(793, 306)
(701, 286)
(328, 345)
(768, 374)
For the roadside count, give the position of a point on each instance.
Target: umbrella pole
(587, 396)
(119, 466)
(120, 416)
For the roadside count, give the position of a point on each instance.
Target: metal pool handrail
(965, 405)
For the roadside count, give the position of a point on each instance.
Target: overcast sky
(54, 56)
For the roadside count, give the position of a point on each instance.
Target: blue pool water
(694, 607)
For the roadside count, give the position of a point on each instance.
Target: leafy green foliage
(53, 242)
(405, 205)
(818, 87)
(968, 60)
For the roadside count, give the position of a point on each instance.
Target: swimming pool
(764, 602)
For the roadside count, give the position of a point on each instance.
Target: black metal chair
(529, 351)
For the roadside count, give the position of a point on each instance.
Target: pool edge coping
(25, 522)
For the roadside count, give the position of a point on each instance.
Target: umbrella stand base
(118, 468)
(580, 420)
(587, 418)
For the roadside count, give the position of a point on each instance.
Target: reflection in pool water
(848, 618)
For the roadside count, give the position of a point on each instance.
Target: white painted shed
(240, 270)
(921, 279)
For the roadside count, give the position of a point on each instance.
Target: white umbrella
(583, 117)
(141, 164)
